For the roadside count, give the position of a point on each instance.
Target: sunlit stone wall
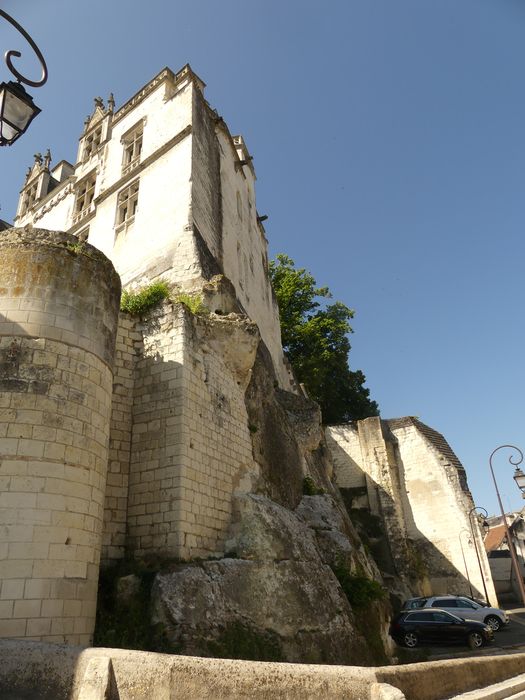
(58, 316)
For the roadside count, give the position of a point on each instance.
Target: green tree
(316, 341)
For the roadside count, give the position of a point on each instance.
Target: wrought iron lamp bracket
(13, 53)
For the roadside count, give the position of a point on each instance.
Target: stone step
(511, 689)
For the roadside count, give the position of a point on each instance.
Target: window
(445, 603)
(92, 142)
(85, 196)
(132, 150)
(443, 617)
(420, 617)
(127, 203)
(29, 199)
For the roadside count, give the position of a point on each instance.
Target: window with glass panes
(92, 142)
(29, 198)
(85, 194)
(127, 203)
(132, 149)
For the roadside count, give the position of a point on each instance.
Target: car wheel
(475, 640)
(410, 640)
(493, 622)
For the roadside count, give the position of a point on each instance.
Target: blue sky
(389, 142)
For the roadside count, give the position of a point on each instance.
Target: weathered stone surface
(336, 537)
(37, 671)
(265, 530)
(128, 588)
(404, 475)
(98, 682)
(58, 316)
(275, 447)
(234, 338)
(267, 610)
(304, 417)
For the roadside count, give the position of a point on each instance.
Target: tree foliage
(315, 338)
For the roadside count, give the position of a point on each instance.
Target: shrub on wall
(193, 302)
(137, 303)
(360, 590)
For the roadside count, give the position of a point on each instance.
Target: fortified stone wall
(179, 432)
(117, 486)
(406, 474)
(58, 317)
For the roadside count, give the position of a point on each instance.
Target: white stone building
(162, 188)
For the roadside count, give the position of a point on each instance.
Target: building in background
(498, 553)
(405, 475)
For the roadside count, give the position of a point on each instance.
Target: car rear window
(415, 603)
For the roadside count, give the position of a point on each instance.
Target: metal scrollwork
(10, 54)
(517, 460)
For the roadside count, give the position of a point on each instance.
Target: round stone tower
(59, 304)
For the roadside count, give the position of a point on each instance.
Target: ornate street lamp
(484, 524)
(519, 477)
(17, 109)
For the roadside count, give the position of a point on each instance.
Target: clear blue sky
(389, 144)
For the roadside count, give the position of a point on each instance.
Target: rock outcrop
(295, 582)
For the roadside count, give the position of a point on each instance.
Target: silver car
(462, 607)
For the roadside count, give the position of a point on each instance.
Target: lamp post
(462, 532)
(17, 109)
(471, 511)
(519, 477)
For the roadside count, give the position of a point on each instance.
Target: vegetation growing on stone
(194, 302)
(316, 341)
(137, 303)
(77, 248)
(359, 589)
(310, 488)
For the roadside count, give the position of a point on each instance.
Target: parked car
(412, 627)
(462, 606)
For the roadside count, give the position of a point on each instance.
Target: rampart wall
(405, 473)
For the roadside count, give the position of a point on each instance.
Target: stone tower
(58, 317)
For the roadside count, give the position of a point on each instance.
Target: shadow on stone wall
(415, 560)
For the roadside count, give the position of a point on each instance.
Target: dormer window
(84, 197)
(92, 142)
(29, 199)
(132, 143)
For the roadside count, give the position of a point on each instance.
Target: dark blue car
(413, 627)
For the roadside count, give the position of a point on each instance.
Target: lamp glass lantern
(17, 111)
(519, 478)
